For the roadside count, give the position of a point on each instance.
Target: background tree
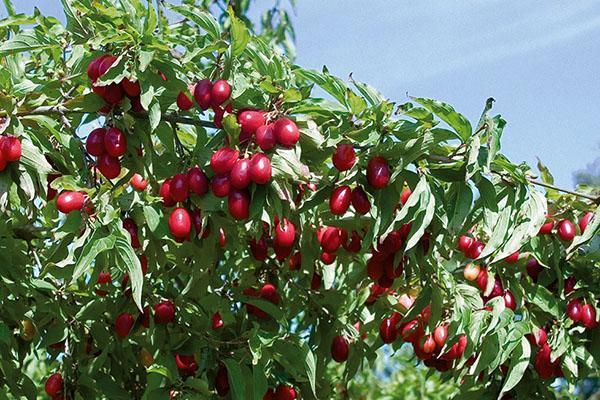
(228, 230)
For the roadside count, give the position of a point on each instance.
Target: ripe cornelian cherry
(239, 177)
(405, 195)
(265, 137)
(585, 220)
(285, 233)
(574, 308)
(223, 160)
(588, 316)
(105, 64)
(339, 349)
(482, 279)
(250, 121)
(220, 185)
(109, 166)
(238, 203)
(259, 248)
(70, 201)
(131, 88)
(54, 385)
(222, 381)
(360, 200)
(475, 249)
(115, 142)
(340, 200)
(93, 71)
(123, 324)
(165, 193)
(285, 392)
(217, 322)
(440, 334)
(378, 172)
(138, 182)
(202, 93)
(286, 132)
(197, 181)
(388, 331)
(94, 143)
(113, 94)
(533, 269)
(565, 230)
(180, 223)
(179, 187)
(186, 364)
(546, 228)
(331, 239)
(220, 92)
(327, 258)
(509, 300)
(344, 157)
(260, 169)
(164, 312)
(513, 258)
(10, 147)
(464, 242)
(184, 102)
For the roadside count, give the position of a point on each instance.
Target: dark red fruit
(285, 233)
(411, 331)
(184, 102)
(239, 176)
(186, 364)
(331, 239)
(565, 230)
(588, 316)
(513, 258)
(180, 223)
(475, 249)
(392, 243)
(104, 278)
(315, 282)
(94, 144)
(464, 242)
(164, 312)
(165, 193)
(250, 121)
(223, 160)
(585, 220)
(327, 258)
(440, 334)
(344, 157)
(70, 201)
(131, 88)
(222, 381)
(238, 203)
(355, 243)
(220, 185)
(360, 201)
(54, 385)
(217, 322)
(286, 132)
(105, 64)
(259, 248)
(115, 142)
(109, 166)
(339, 349)
(285, 392)
(533, 269)
(113, 94)
(378, 172)
(202, 93)
(388, 331)
(260, 169)
(509, 300)
(123, 324)
(265, 137)
(220, 92)
(136, 105)
(574, 310)
(457, 349)
(546, 228)
(340, 200)
(197, 181)
(570, 283)
(93, 71)
(179, 187)
(482, 279)
(405, 195)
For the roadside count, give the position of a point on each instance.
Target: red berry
(105, 64)
(223, 160)
(165, 193)
(115, 142)
(509, 300)
(344, 157)
(94, 144)
(138, 182)
(259, 248)
(93, 71)
(240, 174)
(585, 220)
(220, 92)
(464, 242)
(513, 258)
(220, 185)
(331, 239)
(164, 312)
(411, 331)
(457, 349)
(269, 394)
(123, 324)
(2, 162)
(250, 121)
(440, 334)
(340, 200)
(339, 349)
(136, 104)
(405, 195)
(388, 331)
(327, 258)
(113, 94)
(260, 169)
(429, 344)
(546, 228)
(392, 243)
(10, 146)
(570, 283)
(285, 392)
(588, 316)
(533, 269)
(565, 230)
(180, 223)
(70, 201)
(184, 102)
(482, 279)
(54, 385)
(186, 364)
(179, 187)
(222, 381)
(285, 233)
(360, 201)
(475, 249)
(574, 310)
(286, 132)
(265, 137)
(109, 166)
(131, 88)
(355, 243)
(217, 322)
(202, 93)
(197, 181)
(378, 172)
(238, 203)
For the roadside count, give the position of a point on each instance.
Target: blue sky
(538, 59)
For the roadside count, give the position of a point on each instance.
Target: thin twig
(549, 186)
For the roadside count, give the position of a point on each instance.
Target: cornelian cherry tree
(186, 216)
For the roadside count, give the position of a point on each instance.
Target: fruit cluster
(107, 144)
(113, 93)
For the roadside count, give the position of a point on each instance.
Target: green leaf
(448, 114)
(519, 360)
(26, 41)
(133, 267)
(237, 381)
(239, 34)
(201, 18)
(96, 244)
